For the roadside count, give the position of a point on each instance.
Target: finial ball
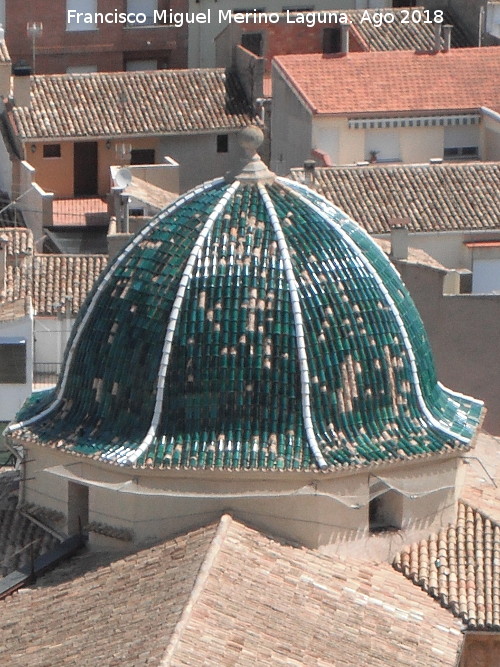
(250, 139)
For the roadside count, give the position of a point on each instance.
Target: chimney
(447, 38)
(3, 265)
(309, 171)
(21, 84)
(344, 39)
(437, 37)
(399, 238)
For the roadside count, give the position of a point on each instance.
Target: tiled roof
(122, 613)
(439, 197)
(386, 82)
(481, 488)
(19, 240)
(460, 567)
(13, 310)
(59, 277)
(132, 103)
(48, 279)
(269, 332)
(80, 211)
(229, 598)
(4, 53)
(151, 195)
(399, 35)
(19, 539)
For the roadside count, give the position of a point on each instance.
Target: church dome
(250, 325)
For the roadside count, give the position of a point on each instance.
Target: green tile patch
(232, 394)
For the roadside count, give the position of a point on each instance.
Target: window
(81, 69)
(461, 152)
(12, 361)
(384, 144)
(386, 511)
(461, 142)
(52, 150)
(252, 41)
(142, 156)
(74, 19)
(222, 143)
(141, 65)
(78, 508)
(145, 7)
(332, 40)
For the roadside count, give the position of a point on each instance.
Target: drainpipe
(437, 37)
(344, 39)
(447, 38)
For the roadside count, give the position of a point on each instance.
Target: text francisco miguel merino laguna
(178, 19)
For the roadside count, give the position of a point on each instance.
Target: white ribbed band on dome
(433, 421)
(305, 382)
(103, 283)
(125, 455)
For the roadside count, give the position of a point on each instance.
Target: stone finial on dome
(252, 168)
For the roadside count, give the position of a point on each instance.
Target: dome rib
(299, 328)
(432, 421)
(126, 455)
(59, 393)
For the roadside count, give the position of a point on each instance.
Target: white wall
(291, 128)
(328, 512)
(51, 336)
(12, 396)
(198, 158)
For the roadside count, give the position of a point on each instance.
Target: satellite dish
(123, 177)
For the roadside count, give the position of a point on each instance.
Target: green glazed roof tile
(250, 326)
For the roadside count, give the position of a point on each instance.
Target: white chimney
(399, 238)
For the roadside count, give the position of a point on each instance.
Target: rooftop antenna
(34, 30)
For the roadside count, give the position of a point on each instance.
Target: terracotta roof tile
(4, 53)
(123, 612)
(440, 197)
(460, 567)
(226, 598)
(130, 103)
(395, 81)
(47, 279)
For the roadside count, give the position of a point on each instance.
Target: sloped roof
(460, 567)
(385, 82)
(132, 103)
(226, 596)
(47, 279)
(121, 613)
(269, 332)
(438, 197)
(403, 33)
(21, 538)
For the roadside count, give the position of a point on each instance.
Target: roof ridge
(201, 579)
